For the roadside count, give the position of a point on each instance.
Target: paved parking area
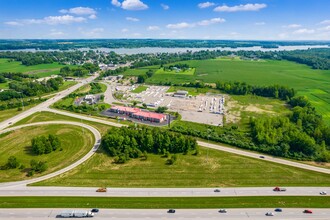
(206, 109)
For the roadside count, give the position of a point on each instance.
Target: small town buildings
(180, 94)
(139, 114)
(90, 99)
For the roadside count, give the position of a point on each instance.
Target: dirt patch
(233, 111)
(42, 71)
(253, 108)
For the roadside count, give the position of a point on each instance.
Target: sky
(166, 19)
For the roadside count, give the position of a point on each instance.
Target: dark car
(262, 157)
(278, 210)
(217, 190)
(95, 210)
(308, 211)
(171, 211)
(223, 211)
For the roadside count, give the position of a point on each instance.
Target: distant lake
(130, 51)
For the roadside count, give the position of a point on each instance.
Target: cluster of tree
(30, 88)
(114, 72)
(14, 76)
(12, 163)
(2, 79)
(181, 66)
(79, 71)
(84, 108)
(18, 103)
(161, 109)
(37, 167)
(241, 88)
(142, 78)
(95, 88)
(129, 142)
(45, 145)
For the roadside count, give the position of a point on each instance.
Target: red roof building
(137, 113)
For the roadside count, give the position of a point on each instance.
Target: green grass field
(75, 143)
(218, 169)
(140, 89)
(165, 202)
(189, 72)
(315, 84)
(5, 114)
(41, 70)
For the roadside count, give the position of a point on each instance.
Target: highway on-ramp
(97, 137)
(186, 214)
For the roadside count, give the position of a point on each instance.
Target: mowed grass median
(211, 168)
(165, 203)
(75, 143)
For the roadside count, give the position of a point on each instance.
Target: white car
(323, 193)
(269, 214)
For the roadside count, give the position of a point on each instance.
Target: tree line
(132, 142)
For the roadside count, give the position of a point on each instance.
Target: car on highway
(279, 189)
(95, 210)
(323, 193)
(216, 190)
(171, 211)
(269, 214)
(308, 211)
(262, 157)
(278, 210)
(10, 123)
(223, 211)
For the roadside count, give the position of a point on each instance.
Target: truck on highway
(279, 189)
(76, 214)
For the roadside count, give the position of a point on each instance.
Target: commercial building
(180, 94)
(138, 114)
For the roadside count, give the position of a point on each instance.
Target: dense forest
(132, 142)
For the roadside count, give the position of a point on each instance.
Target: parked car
(323, 193)
(223, 211)
(308, 211)
(278, 210)
(217, 190)
(171, 211)
(269, 214)
(95, 210)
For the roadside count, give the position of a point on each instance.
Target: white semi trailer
(76, 214)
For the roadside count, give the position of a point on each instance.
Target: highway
(42, 106)
(22, 190)
(95, 132)
(187, 214)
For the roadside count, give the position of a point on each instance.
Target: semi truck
(76, 214)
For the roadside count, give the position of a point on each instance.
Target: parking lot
(206, 109)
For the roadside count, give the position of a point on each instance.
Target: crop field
(75, 143)
(315, 84)
(210, 169)
(190, 71)
(41, 70)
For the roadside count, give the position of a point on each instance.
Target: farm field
(41, 70)
(190, 72)
(315, 84)
(165, 203)
(218, 169)
(74, 145)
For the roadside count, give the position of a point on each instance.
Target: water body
(145, 50)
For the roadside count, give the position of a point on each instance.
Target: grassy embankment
(165, 203)
(315, 84)
(75, 143)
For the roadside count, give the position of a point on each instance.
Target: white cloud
(325, 22)
(132, 19)
(205, 4)
(327, 28)
(79, 11)
(134, 5)
(292, 26)
(92, 17)
(165, 7)
(124, 30)
(115, 3)
(93, 33)
(179, 25)
(199, 23)
(247, 7)
(153, 28)
(259, 23)
(210, 21)
(304, 31)
(13, 23)
(55, 33)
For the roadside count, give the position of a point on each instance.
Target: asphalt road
(21, 190)
(187, 214)
(95, 132)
